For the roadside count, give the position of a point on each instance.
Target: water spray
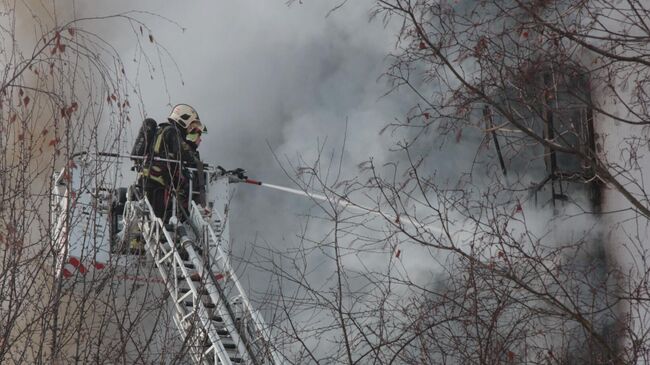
(344, 204)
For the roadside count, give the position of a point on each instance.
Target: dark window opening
(557, 107)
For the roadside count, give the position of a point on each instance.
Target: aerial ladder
(214, 317)
(212, 311)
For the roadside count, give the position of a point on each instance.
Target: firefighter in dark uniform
(177, 141)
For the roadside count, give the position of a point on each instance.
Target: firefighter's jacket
(170, 144)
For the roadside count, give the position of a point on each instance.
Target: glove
(239, 172)
(236, 175)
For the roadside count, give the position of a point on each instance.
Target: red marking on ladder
(74, 261)
(77, 264)
(74, 264)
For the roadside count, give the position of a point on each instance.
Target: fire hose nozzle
(254, 182)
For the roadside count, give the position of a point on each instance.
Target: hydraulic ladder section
(213, 314)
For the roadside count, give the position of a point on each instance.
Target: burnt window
(568, 122)
(553, 106)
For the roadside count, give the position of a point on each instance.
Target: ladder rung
(227, 346)
(236, 360)
(165, 257)
(208, 305)
(216, 318)
(208, 350)
(194, 277)
(185, 317)
(202, 291)
(184, 296)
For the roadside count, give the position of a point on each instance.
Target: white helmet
(186, 117)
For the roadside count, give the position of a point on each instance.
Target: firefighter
(177, 141)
